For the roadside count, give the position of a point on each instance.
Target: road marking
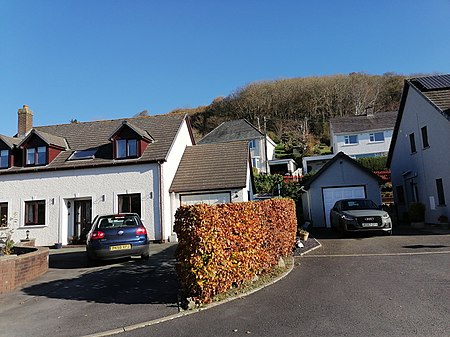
(378, 254)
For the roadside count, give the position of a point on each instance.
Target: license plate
(120, 247)
(370, 224)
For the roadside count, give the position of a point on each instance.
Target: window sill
(32, 226)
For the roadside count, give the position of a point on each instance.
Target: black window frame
(127, 203)
(412, 143)
(39, 209)
(127, 148)
(440, 192)
(424, 133)
(3, 214)
(36, 156)
(8, 159)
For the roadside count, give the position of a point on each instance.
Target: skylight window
(83, 154)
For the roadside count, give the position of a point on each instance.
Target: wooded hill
(298, 110)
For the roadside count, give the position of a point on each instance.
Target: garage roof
(339, 156)
(207, 167)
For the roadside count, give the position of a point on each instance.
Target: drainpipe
(161, 200)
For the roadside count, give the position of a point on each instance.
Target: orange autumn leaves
(225, 245)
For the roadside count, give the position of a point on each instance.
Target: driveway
(73, 300)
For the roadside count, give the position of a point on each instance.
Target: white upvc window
(252, 144)
(376, 137)
(351, 139)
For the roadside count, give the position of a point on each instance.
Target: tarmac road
(358, 286)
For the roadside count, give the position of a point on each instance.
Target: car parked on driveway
(116, 236)
(354, 215)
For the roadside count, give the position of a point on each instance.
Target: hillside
(297, 110)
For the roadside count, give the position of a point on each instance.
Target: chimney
(25, 120)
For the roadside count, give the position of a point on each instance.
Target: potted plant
(416, 214)
(303, 234)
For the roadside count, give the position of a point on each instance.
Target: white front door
(331, 195)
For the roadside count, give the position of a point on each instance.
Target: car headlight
(347, 217)
(385, 216)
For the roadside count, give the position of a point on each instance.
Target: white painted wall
(169, 168)
(364, 146)
(426, 165)
(59, 187)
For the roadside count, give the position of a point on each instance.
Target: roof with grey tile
(48, 138)
(232, 131)
(207, 167)
(363, 123)
(10, 141)
(89, 135)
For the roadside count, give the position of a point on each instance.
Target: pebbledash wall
(59, 189)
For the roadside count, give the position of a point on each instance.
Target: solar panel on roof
(438, 82)
(83, 154)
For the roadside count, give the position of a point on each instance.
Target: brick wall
(17, 270)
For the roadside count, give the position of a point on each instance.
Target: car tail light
(141, 231)
(97, 235)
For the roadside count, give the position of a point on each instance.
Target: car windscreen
(348, 205)
(117, 221)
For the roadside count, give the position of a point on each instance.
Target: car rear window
(117, 221)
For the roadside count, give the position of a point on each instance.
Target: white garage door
(209, 199)
(331, 195)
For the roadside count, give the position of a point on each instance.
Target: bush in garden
(225, 245)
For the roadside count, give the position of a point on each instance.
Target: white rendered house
(363, 135)
(419, 155)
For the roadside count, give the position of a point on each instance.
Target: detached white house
(54, 179)
(363, 135)
(419, 155)
(262, 148)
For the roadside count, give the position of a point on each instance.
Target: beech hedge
(225, 245)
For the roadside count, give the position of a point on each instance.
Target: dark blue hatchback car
(116, 236)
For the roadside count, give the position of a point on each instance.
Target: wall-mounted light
(151, 195)
(28, 234)
(103, 198)
(52, 201)
(69, 204)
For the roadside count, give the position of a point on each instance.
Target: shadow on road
(129, 282)
(424, 246)
(327, 233)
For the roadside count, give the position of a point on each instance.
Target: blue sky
(107, 59)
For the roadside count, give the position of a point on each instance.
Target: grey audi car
(354, 215)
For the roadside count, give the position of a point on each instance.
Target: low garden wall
(28, 264)
(225, 245)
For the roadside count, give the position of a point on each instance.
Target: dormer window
(129, 141)
(36, 155)
(126, 148)
(4, 159)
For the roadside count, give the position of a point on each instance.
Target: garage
(340, 178)
(331, 195)
(209, 198)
